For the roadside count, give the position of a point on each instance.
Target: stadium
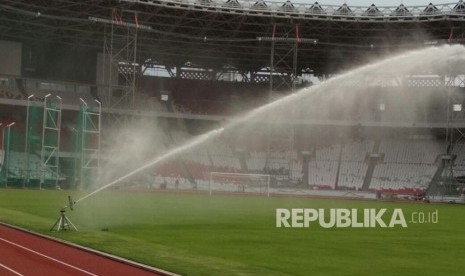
(231, 137)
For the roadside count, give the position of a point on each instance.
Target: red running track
(23, 253)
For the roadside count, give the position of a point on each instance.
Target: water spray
(457, 52)
(199, 140)
(63, 222)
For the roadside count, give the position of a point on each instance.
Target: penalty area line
(11, 270)
(48, 257)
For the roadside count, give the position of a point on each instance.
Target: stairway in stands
(437, 185)
(374, 158)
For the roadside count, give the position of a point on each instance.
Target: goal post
(239, 183)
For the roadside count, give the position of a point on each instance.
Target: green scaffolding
(12, 170)
(22, 154)
(36, 174)
(85, 147)
(25, 161)
(50, 143)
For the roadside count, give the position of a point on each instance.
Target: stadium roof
(216, 33)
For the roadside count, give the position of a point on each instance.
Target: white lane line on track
(48, 257)
(11, 270)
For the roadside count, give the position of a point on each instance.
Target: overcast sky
(378, 2)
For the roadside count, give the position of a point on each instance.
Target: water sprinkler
(63, 222)
(70, 203)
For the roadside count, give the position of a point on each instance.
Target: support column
(455, 118)
(285, 41)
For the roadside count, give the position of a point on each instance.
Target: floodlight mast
(98, 138)
(83, 102)
(58, 140)
(83, 128)
(26, 151)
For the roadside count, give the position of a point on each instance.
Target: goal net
(239, 183)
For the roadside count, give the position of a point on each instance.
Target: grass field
(233, 235)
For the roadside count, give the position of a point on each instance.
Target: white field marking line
(48, 257)
(11, 270)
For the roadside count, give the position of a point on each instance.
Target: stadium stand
(407, 166)
(8, 93)
(357, 151)
(8, 88)
(411, 152)
(323, 169)
(223, 156)
(322, 174)
(199, 96)
(354, 164)
(257, 161)
(402, 177)
(21, 88)
(17, 166)
(352, 174)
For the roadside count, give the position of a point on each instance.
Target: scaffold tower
(51, 129)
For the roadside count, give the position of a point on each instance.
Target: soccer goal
(239, 183)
